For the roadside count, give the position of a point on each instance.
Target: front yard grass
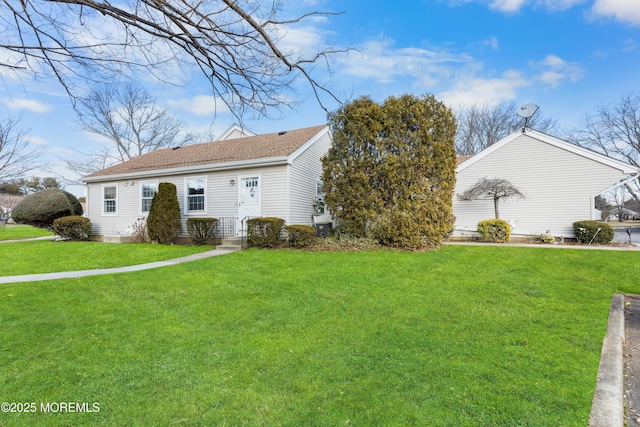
(464, 336)
(49, 257)
(14, 231)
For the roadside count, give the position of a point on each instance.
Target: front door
(248, 201)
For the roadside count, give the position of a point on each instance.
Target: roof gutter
(242, 164)
(622, 182)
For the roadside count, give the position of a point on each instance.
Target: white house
(560, 181)
(233, 178)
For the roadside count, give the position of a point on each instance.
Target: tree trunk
(496, 200)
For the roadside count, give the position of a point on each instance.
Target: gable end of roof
(556, 142)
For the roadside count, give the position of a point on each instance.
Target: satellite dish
(526, 112)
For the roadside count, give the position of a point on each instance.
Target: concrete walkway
(139, 267)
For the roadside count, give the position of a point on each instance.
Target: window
(319, 200)
(196, 194)
(110, 197)
(147, 191)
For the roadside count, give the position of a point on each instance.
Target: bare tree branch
(17, 157)
(130, 119)
(493, 189)
(235, 45)
(482, 125)
(614, 130)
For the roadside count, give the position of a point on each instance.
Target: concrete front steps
(230, 244)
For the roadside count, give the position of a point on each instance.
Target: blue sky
(567, 56)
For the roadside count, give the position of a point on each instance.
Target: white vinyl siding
(304, 174)
(559, 186)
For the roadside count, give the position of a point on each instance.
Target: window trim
(186, 195)
(142, 184)
(103, 208)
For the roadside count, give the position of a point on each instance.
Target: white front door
(248, 201)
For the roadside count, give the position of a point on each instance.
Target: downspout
(287, 220)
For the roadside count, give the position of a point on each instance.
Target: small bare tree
(129, 118)
(17, 157)
(493, 189)
(614, 130)
(482, 125)
(238, 46)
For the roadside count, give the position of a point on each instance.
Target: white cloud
(492, 42)
(470, 90)
(305, 41)
(558, 5)
(622, 10)
(26, 104)
(554, 71)
(378, 61)
(629, 45)
(36, 140)
(515, 6)
(200, 105)
(456, 78)
(508, 6)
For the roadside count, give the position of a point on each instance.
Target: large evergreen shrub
(40, 209)
(163, 222)
(390, 174)
(591, 231)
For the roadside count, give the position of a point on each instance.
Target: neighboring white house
(231, 179)
(560, 181)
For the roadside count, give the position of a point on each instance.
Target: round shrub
(300, 236)
(163, 222)
(72, 227)
(591, 231)
(495, 230)
(264, 232)
(40, 209)
(202, 230)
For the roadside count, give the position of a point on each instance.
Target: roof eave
(241, 164)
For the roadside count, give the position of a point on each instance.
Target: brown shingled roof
(266, 146)
(461, 159)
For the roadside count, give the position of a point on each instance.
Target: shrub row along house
(278, 175)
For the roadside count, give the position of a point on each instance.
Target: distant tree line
(24, 186)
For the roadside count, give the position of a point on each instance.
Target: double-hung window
(110, 199)
(195, 194)
(147, 191)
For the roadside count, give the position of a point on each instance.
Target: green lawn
(486, 336)
(12, 231)
(49, 257)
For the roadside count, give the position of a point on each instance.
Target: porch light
(232, 182)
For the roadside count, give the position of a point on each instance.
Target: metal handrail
(243, 235)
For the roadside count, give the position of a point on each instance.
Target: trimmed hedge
(40, 209)
(264, 232)
(591, 231)
(300, 236)
(202, 230)
(72, 227)
(495, 230)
